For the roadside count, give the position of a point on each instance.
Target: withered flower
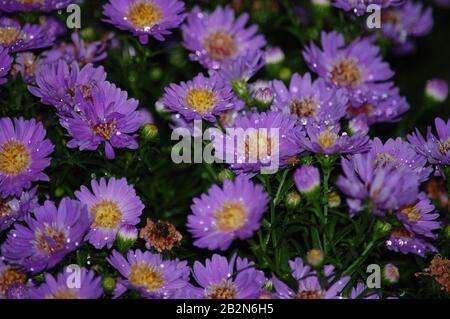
(161, 235)
(440, 270)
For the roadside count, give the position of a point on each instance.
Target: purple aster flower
(201, 98)
(330, 140)
(401, 23)
(48, 235)
(79, 51)
(358, 125)
(10, 280)
(23, 38)
(274, 55)
(307, 179)
(358, 67)
(258, 142)
(383, 105)
(405, 242)
(112, 204)
(108, 117)
(214, 38)
(310, 100)
(437, 90)
(219, 278)
(14, 209)
(241, 68)
(53, 25)
(5, 64)
(149, 274)
(400, 154)
(310, 286)
(64, 286)
(385, 187)
(360, 291)
(420, 217)
(359, 7)
(34, 5)
(24, 152)
(435, 148)
(145, 18)
(58, 84)
(26, 64)
(224, 214)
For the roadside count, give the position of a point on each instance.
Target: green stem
(351, 269)
(277, 199)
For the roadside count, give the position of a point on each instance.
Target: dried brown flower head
(440, 270)
(161, 235)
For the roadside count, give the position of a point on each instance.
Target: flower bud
(241, 90)
(293, 200)
(126, 237)
(274, 55)
(225, 174)
(334, 200)
(149, 132)
(315, 257)
(285, 74)
(382, 228)
(264, 98)
(59, 192)
(437, 90)
(307, 179)
(391, 274)
(321, 4)
(109, 284)
(446, 232)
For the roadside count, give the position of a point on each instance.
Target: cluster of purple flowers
(386, 181)
(327, 113)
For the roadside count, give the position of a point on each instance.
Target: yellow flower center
(144, 15)
(64, 293)
(224, 290)
(105, 130)
(327, 139)
(304, 108)
(411, 212)
(231, 218)
(14, 158)
(10, 277)
(382, 159)
(31, 2)
(107, 215)
(8, 36)
(5, 209)
(444, 146)
(146, 276)
(200, 100)
(315, 256)
(50, 241)
(346, 72)
(220, 46)
(309, 294)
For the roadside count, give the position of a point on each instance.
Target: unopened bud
(315, 257)
(334, 200)
(391, 274)
(293, 200)
(149, 132)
